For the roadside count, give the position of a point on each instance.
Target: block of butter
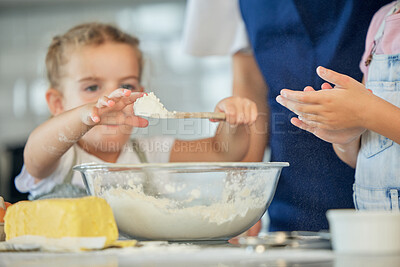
(59, 218)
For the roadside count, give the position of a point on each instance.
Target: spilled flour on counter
(150, 106)
(148, 217)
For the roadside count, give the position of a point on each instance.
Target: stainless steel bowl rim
(258, 165)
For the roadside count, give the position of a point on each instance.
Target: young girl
(94, 72)
(363, 124)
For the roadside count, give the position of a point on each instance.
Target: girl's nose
(111, 88)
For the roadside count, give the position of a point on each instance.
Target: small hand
(340, 107)
(112, 109)
(319, 110)
(344, 136)
(238, 110)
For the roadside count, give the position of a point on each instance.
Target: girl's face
(96, 71)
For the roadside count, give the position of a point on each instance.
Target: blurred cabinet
(12, 159)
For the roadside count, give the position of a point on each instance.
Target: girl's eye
(92, 88)
(129, 86)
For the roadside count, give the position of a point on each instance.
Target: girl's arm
(231, 140)
(245, 142)
(348, 153)
(381, 117)
(48, 142)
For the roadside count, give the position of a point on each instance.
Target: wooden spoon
(199, 115)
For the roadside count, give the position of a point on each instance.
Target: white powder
(147, 217)
(63, 138)
(150, 106)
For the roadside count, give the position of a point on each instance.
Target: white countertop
(191, 255)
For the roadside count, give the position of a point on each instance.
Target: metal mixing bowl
(184, 201)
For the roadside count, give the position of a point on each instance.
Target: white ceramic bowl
(365, 232)
(184, 201)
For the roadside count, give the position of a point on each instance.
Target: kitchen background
(182, 82)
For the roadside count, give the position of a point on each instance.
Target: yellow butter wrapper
(64, 217)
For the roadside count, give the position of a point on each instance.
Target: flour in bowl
(147, 217)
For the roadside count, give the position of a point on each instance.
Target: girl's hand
(338, 108)
(114, 109)
(238, 110)
(342, 137)
(332, 114)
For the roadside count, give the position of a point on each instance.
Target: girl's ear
(54, 100)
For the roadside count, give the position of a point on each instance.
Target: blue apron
(290, 39)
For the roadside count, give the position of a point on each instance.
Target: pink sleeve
(372, 30)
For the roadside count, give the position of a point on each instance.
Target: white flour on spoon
(150, 106)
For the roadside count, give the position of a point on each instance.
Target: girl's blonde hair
(84, 35)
